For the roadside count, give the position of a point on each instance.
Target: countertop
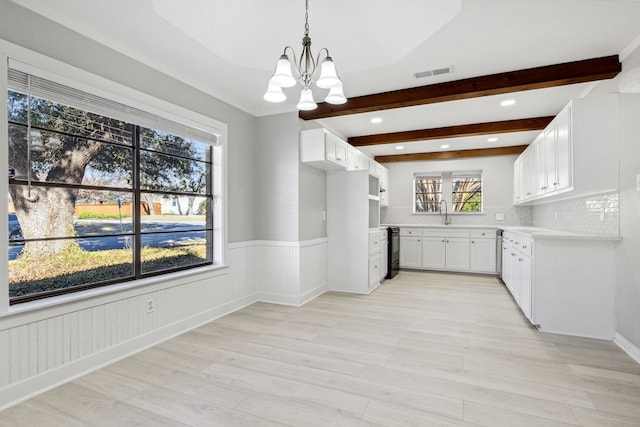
(533, 232)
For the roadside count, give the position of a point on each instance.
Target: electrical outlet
(499, 217)
(150, 305)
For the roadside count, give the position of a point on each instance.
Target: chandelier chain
(306, 19)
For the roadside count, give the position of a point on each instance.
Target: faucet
(447, 220)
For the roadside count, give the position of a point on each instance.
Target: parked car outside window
(15, 231)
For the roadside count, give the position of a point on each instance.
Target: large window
(101, 192)
(460, 191)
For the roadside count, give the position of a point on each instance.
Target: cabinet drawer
(483, 234)
(526, 246)
(410, 231)
(433, 232)
(374, 243)
(457, 233)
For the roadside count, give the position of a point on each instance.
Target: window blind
(22, 82)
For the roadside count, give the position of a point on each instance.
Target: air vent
(434, 72)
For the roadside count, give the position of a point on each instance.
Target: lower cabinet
(410, 251)
(483, 255)
(375, 270)
(516, 270)
(562, 285)
(457, 254)
(448, 249)
(433, 253)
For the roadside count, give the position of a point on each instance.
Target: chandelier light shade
(305, 70)
(336, 96)
(274, 93)
(306, 101)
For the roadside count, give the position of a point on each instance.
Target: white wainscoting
(290, 273)
(43, 348)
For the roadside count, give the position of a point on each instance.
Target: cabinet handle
(512, 254)
(442, 241)
(528, 194)
(418, 240)
(543, 188)
(520, 259)
(472, 241)
(483, 234)
(517, 243)
(556, 183)
(524, 246)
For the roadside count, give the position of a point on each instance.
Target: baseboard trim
(627, 347)
(48, 380)
(313, 293)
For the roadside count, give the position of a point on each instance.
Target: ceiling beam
(587, 70)
(457, 154)
(490, 128)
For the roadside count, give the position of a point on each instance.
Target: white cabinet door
(336, 150)
(540, 169)
(550, 155)
(384, 187)
(375, 273)
(524, 275)
(410, 252)
(563, 150)
(483, 255)
(433, 253)
(457, 253)
(518, 180)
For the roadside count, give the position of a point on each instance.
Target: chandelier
(305, 68)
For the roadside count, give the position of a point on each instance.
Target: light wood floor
(425, 349)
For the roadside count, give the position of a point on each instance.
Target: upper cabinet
(576, 154)
(356, 160)
(323, 150)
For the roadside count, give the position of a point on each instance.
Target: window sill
(43, 308)
(450, 214)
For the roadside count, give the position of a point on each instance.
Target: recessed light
(376, 120)
(444, 146)
(493, 139)
(399, 147)
(508, 102)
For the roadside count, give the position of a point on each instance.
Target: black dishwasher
(393, 254)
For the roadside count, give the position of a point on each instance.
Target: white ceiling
(229, 48)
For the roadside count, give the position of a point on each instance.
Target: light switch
(638, 182)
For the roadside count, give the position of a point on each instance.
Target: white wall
(628, 250)
(277, 185)
(497, 191)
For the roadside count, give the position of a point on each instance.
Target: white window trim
(447, 190)
(62, 73)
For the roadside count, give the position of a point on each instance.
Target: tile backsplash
(597, 214)
(520, 215)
